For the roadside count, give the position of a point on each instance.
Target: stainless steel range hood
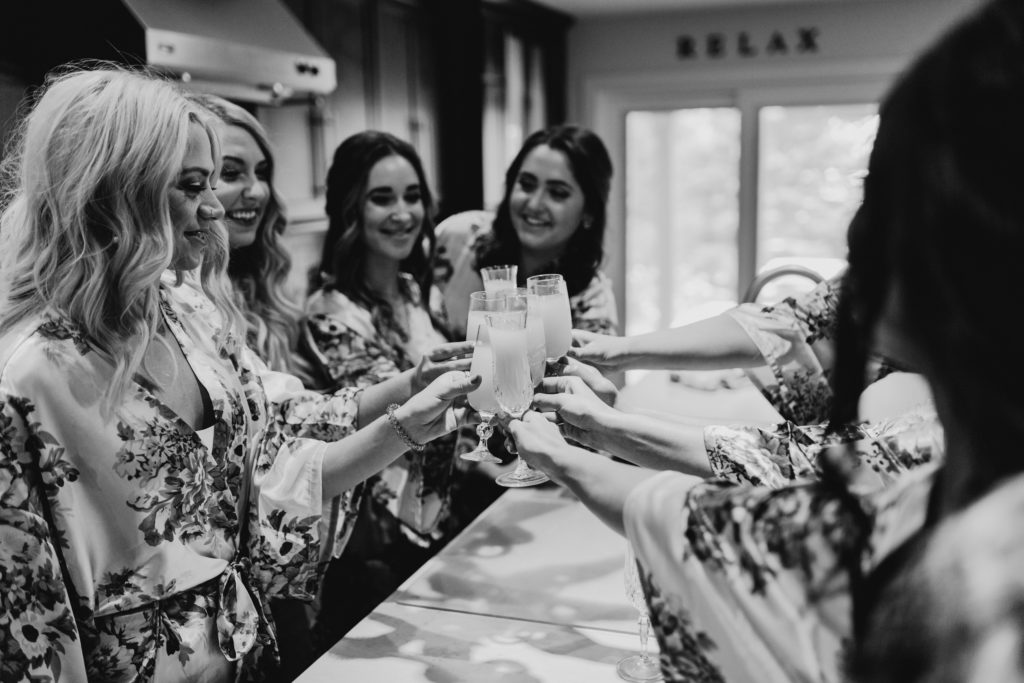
(252, 47)
(252, 50)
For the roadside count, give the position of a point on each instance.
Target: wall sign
(715, 45)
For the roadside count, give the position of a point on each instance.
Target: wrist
(403, 426)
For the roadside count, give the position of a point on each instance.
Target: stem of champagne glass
(645, 630)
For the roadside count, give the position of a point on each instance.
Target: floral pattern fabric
(350, 349)
(457, 275)
(777, 455)
(797, 339)
(130, 550)
(751, 584)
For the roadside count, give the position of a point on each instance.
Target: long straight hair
(86, 225)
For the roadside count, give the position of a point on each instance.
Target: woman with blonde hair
(158, 483)
(255, 220)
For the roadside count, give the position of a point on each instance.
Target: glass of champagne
(498, 278)
(482, 399)
(535, 342)
(512, 385)
(553, 296)
(641, 667)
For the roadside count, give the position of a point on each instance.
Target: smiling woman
(556, 191)
(374, 316)
(152, 470)
(255, 220)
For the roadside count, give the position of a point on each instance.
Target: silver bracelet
(400, 430)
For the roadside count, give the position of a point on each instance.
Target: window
(718, 194)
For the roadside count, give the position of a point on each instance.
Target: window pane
(812, 163)
(682, 216)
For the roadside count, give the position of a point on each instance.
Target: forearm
(361, 455)
(375, 399)
(602, 485)
(713, 344)
(653, 443)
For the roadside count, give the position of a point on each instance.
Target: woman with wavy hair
(551, 219)
(748, 583)
(255, 220)
(157, 484)
(374, 315)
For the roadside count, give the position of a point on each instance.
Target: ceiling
(585, 8)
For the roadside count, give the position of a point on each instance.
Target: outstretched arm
(640, 439)
(715, 343)
(601, 484)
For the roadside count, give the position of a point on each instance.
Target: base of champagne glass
(481, 454)
(520, 477)
(638, 668)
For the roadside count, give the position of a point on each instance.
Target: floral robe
(778, 455)
(351, 351)
(797, 339)
(751, 584)
(133, 548)
(457, 275)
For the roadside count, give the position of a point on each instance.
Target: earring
(586, 224)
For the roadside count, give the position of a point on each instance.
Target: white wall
(623, 62)
(625, 45)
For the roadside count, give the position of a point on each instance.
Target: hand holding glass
(512, 385)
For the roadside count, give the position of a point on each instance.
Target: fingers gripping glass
(513, 387)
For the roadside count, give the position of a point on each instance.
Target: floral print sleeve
(743, 583)
(344, 343)
(795, 338)
(593, 309)
(39, 638)
(777, 455)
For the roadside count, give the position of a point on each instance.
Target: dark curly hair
(592, 169)
(343, 260)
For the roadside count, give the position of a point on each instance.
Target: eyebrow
(386, 188)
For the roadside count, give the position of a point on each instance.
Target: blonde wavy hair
(259, 271)
(86, 227)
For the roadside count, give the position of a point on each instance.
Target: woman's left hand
(439, 360)
(429, 413)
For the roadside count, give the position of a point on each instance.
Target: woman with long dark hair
(551, 219)
(747, 583)
(374, 315)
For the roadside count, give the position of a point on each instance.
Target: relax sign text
(742, 44)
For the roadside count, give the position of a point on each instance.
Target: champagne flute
(553, 296)
(535, 343)
(499, 278)
(512, 386)
(482, 399)
(641, 667)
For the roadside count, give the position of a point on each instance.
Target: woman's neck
(533, 262)
(382, 276)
